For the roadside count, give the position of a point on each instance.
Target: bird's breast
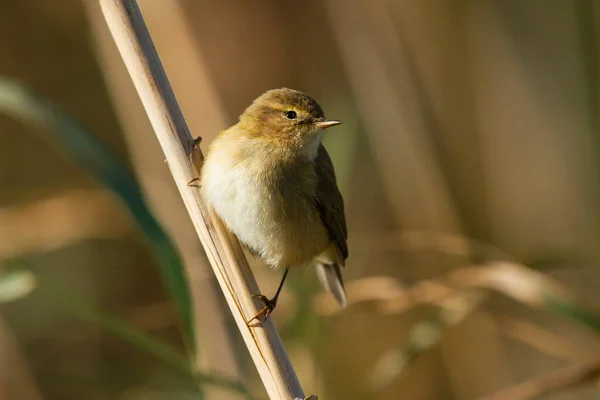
(268, 206)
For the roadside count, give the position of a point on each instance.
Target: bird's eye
(291, 114)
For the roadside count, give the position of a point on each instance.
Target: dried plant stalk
(186, 66)
(92, 214)
(553, 382)
(222, 249)
(16, 381)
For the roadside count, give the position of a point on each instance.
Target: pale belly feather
(275, 220)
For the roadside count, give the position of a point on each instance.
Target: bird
(271, 181)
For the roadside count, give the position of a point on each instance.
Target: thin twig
(223, 251)
(568, 377)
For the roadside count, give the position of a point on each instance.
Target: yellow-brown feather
(272, 183)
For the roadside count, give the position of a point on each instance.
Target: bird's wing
(329, 202)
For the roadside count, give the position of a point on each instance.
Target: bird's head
(286, 116)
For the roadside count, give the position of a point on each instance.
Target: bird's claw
(266, 310)
(194, 182)
(196, 159)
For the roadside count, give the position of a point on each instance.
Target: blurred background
(469, 162)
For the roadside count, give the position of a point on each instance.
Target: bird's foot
(196, 159)
(194, 182)
(266, 310)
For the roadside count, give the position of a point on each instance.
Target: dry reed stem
(568, 377)
(511, 279)
(443, 242)
(396, 128)
(453, 310)
(544, 340)
(16, 381)
(223, 250)
(185, 64)
(60, 220)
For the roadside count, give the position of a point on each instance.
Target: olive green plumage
(272, 182)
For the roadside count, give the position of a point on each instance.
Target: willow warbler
(271, 181)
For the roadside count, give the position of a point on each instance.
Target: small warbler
(271, 181)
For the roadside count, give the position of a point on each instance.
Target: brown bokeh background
(471, 135)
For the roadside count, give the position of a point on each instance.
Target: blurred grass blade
(572, 310)
(83, 309)
(424, 336)
(16, 284)
(471, 285)
(93, 156)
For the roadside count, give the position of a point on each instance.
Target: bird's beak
(327, 124)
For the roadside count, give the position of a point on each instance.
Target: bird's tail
(330, 277)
